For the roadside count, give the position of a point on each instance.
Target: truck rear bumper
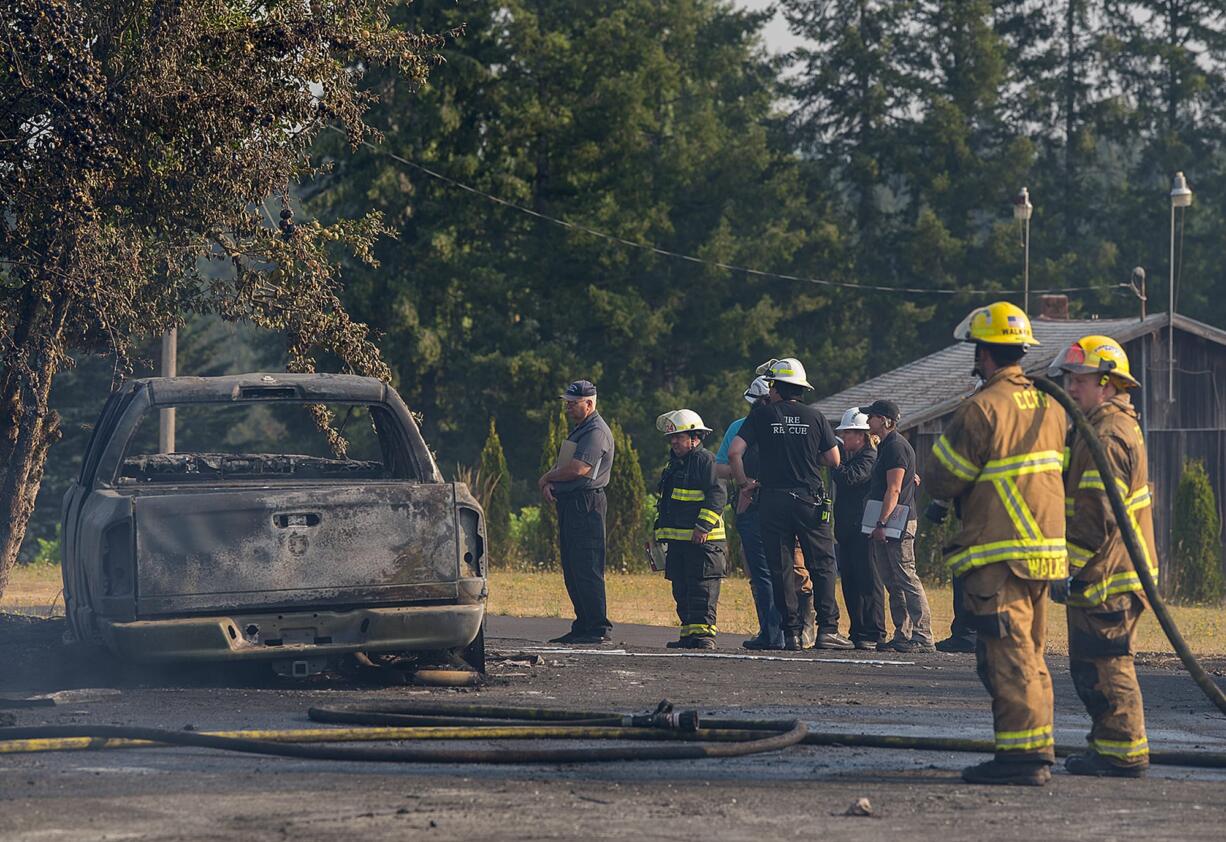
(300, 634)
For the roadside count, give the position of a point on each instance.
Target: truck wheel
(474, 653)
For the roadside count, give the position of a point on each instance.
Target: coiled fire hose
(685, 735)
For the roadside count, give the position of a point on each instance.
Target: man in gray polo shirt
(576, 484)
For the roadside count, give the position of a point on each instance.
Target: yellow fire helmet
(681, 421)
(1001, 323)
(1091, 354)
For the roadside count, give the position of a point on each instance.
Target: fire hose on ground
(675, 735)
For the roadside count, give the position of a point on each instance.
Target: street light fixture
(1181, 197)
(1022, 210)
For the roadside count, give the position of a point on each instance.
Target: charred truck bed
(292, 545)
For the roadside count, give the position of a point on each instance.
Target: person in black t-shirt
(863, 593)
(893, 483)
(794, 443)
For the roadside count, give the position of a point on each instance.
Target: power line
(654, 249)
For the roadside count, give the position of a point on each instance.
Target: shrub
(48, 552)
(626, 526)
(929, 543)
(1197, 558)
(493, 469)
(544, 552)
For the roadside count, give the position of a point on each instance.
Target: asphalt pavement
(175, 793)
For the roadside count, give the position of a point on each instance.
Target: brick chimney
(1053, 308)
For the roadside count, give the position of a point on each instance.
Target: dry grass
(34, 586)
(645, 598)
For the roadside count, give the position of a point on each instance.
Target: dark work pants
(787, 519)
(695, 571)
(863, 593)
(962, 626)
(581, 534)
(749, 527)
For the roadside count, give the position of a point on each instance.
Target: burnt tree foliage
(139, 141)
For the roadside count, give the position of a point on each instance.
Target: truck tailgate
(360, 544)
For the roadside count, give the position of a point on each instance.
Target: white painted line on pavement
(868, 662)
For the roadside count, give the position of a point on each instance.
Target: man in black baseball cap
(576, 484)
(883, 408)
(893, 484)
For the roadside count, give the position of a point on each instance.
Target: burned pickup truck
(264, 538)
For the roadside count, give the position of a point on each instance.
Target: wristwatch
(881, 524)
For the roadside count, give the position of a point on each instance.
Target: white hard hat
(681, 421)
(759, 388)
(853, 419)
(786, 370)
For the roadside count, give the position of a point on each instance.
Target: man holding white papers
(893, 485)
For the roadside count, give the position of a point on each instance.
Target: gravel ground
(804, 792)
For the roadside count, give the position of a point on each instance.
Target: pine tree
(1198, 538)
(547, 550)
(494, 472)
(625, 527)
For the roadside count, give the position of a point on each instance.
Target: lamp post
(1022, 209)
(1181, 197)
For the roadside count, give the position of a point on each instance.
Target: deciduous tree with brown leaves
(140, 141)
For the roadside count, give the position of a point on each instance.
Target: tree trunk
(37, 428)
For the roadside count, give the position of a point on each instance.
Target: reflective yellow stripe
(1068, 457)
(1025, 740)
(1069, 507)
(1019, 512)
(1078, 557)
(688, 495)
(1050, 552)
(708, 516)
(1123, 749)
(1125, 582)
(668, 533)
(954, 462)
(698, 629)
(1041, 461)
(1092, 479)
(1134, 502)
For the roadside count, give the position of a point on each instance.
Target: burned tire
(474, 653)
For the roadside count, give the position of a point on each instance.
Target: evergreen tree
(547, 551)
(857, 93)
(625, 528)
(654, 120)
(1198, 538)
(496, 476)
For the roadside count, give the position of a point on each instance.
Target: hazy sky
(776, 34)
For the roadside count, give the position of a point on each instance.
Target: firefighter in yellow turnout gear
(690, 522)
(1000, 461)
(1104, 595)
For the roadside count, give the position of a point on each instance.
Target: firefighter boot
(1092, 763)
(1009, 774)
(808, 616)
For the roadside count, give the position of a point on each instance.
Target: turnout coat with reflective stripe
(691, 497)
(1098, 560)
(1001, 457)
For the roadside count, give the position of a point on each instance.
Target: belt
(579, 491)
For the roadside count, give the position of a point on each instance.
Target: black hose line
(686, 743)
(1132, 541)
